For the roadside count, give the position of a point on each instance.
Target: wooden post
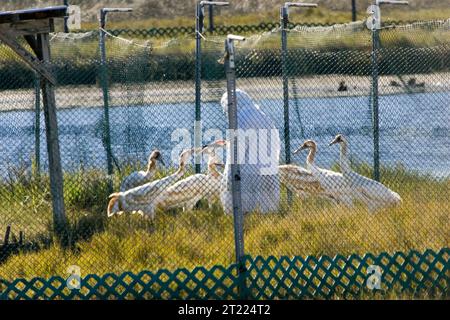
(35, 25)
(54, 159)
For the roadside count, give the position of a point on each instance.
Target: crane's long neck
(174, 176)
(311, 156)
(212, 170)
(181, 169)
(345, 162)
(150, 166)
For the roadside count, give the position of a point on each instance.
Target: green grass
(205, 237)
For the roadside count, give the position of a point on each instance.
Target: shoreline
(171, 92)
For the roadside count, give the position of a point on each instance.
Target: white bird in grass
(332, 184)
(374, 194)
(139, 178)
(299, 180)
(187, 192)
(144, 198)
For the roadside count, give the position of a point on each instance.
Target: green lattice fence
(266, 278)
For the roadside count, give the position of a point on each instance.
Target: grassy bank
(340, 50)
(205, 237)
(128, 64)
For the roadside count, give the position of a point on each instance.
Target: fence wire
(180, 221)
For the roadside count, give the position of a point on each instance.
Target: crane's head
(210, 151)
(211, 148)
(113, 204)
(338, 139)
(185, 155)
(214, 160)
(308, 144)
(156, 156)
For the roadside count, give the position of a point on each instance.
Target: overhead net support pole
(230, 71)
(105, 90)
(199, 26)
(284, 22)
(374, 24)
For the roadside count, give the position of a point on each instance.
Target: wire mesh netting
(126, 133)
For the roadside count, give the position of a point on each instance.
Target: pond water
(414, 131)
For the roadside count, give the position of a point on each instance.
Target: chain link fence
(113, 114)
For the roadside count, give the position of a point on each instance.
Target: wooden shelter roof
(33, 14)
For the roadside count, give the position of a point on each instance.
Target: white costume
(258, 156)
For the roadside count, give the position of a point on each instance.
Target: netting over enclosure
(113, 114)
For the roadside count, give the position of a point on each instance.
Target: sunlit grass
(205, 237)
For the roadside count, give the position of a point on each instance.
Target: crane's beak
(333, 142)
(299, 149)
(220, 143)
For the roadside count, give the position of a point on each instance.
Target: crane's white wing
(299, 179)
(331, 181)
(183, 190)
(134, 180)
(373, 193)
(149, 191)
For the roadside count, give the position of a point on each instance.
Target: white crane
(139, 178)
(374, 194)
(144, 198)
(332, 184)
(299, 180)
(187, 192)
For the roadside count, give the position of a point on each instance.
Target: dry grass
(321, 15)
(205, 237)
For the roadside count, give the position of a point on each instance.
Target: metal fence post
(375, 111)
(284, 24)
(211, 18)
(284, 21)
(230, 71)
(37, 125)
(353, 10)
(104, 83)
(199, 24)
(66, 18)
(374, 23)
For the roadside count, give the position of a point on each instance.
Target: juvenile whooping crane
(332, 184)
(187, 192)
(374, 194)
(139, 178)
(144, 198)
(299, 180)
